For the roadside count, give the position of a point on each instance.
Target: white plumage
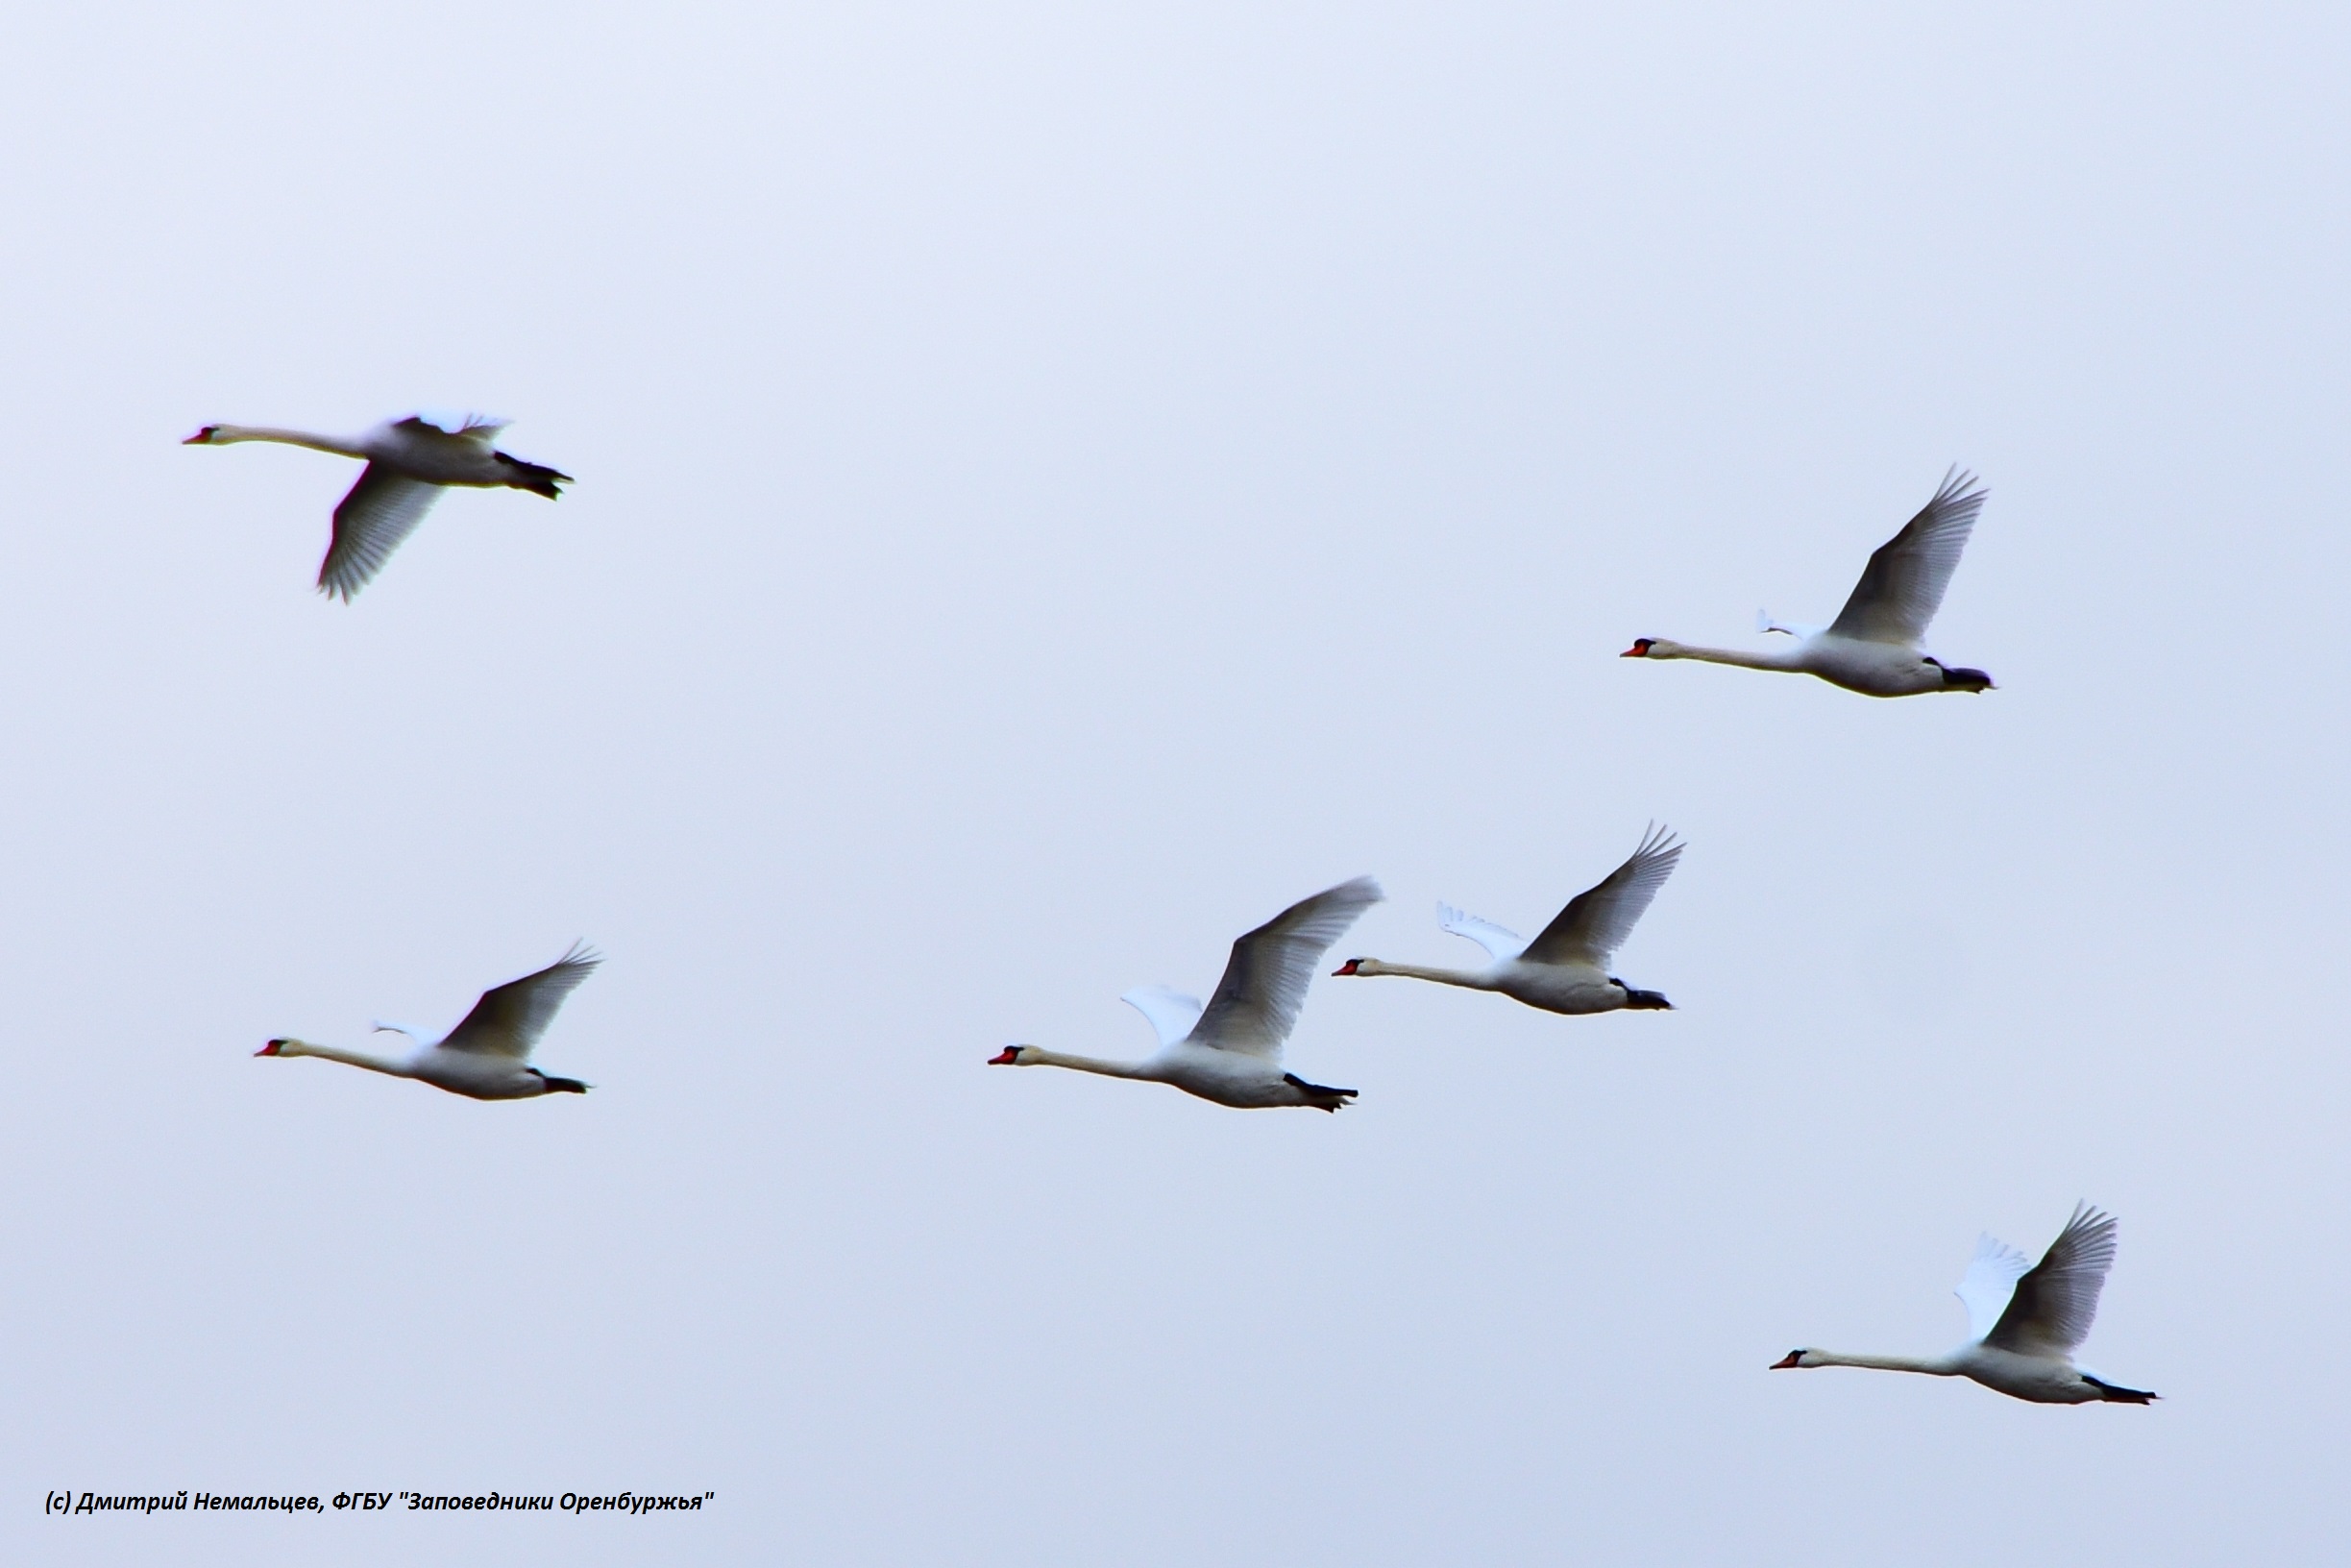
(1231, 1050)
(1565, 967)
(409, 462)
(487, 1056)
(1874, 645)
(2025, 1321)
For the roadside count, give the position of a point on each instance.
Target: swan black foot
(1646, 1000)
(536, 478)
(1316, 1095)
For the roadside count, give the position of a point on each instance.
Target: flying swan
(2025, 1321)
(1565, 967)
(487, 1056)
(1873, 645)
(409, 462)
(1231, 1051)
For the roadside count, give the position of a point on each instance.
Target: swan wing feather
(1171, 1013)
(382, 509)
(2057, 1299)
(476, 429)
(1499, 942)
(1764, 621)
(1989, 1283)
(1265, 984)
(1596, 921)
(1903, 586)
(510, 1018)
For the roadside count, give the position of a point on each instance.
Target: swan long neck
(1037, 1056)
(1934, 1367)
(1472, 979)
(1773, 659)
(398, 1067)
(342, 445)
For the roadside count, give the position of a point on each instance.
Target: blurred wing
(2057, 1299)
(1903, 586)
(1171, 1013)
(1499, 942)
(1595, 922)
(383, 509)
(1794, 628)
(1990, 1280)
(509, 1019)
(432, 422)
(1257, 1002)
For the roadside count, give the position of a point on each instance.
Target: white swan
(1565, 967)
(2025, 1321)
(1873, 645)
(487, 1055)
(409, 461)
(1231, 1051)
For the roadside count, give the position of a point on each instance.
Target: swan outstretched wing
(1499, 942)
(1257, 1002)
(1903, 586)
(1989, 1283)
(509, 1019)
(383, 509)
(2057, 1299)
(1171, 1013)
(1595, 922)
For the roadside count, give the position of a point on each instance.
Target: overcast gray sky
(1056, 485)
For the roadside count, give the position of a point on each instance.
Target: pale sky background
(1057, 484)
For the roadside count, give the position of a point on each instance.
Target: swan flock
(2025, 1319)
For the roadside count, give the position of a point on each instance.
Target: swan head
(283, 1047)
(1015, 1056)
(1640, 648)
(203, 437)
(1797, 1357)
(1957, 678)
(1354, 966)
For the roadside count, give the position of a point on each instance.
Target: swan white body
(1873, 646)
(487, 1056)
(409, 462)
(1565, 967)
(1231, 1050)
(2026, 1321)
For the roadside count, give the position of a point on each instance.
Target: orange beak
(1009, 1056)
(1791, 1359)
